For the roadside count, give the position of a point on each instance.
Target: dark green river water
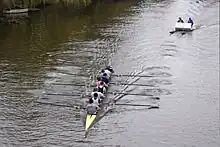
(67, 47)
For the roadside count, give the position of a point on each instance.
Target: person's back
(95, 99)
(102, 72)
(98, 81)
(91, 107)
(105, 78)
(100, 95)
(108, 73)
(101, 87)
(109, 68)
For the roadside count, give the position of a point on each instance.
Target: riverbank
(22, 4)
(13, 12)
(14, 8)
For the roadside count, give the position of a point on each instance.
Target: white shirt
(108, 72)
(95, 101)
(100, 95)
(91, 108)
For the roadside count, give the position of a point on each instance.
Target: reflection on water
(70, 46)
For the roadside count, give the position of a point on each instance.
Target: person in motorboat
(101, 96)
(92, 107)
(95, 99)
(191, 21)
(180, 20)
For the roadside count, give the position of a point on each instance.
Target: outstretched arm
(97, 108)
(102, 95)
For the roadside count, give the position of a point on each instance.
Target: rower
(102, 72)
(101, 96)
(105, 78)
(109, 68)
(107, 72)
(98, 81)
(92, 108)
(95, 99)
(101, 87)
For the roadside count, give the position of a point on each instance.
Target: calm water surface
(56, 46)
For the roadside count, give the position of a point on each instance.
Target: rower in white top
(108, 70)
(101, 96)
(95, 99)
(92, 107)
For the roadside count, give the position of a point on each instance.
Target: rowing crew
(97, 95)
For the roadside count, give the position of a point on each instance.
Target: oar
(112, 92)
(142, 105)
(124, 93)
(130, 84)
(32, 76)
(76, 106)
(73, 74)
(118, 97)
(67, 84)
(116, 75)
(126, 75)
(63, 94)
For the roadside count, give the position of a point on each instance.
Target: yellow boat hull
(89, 120)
